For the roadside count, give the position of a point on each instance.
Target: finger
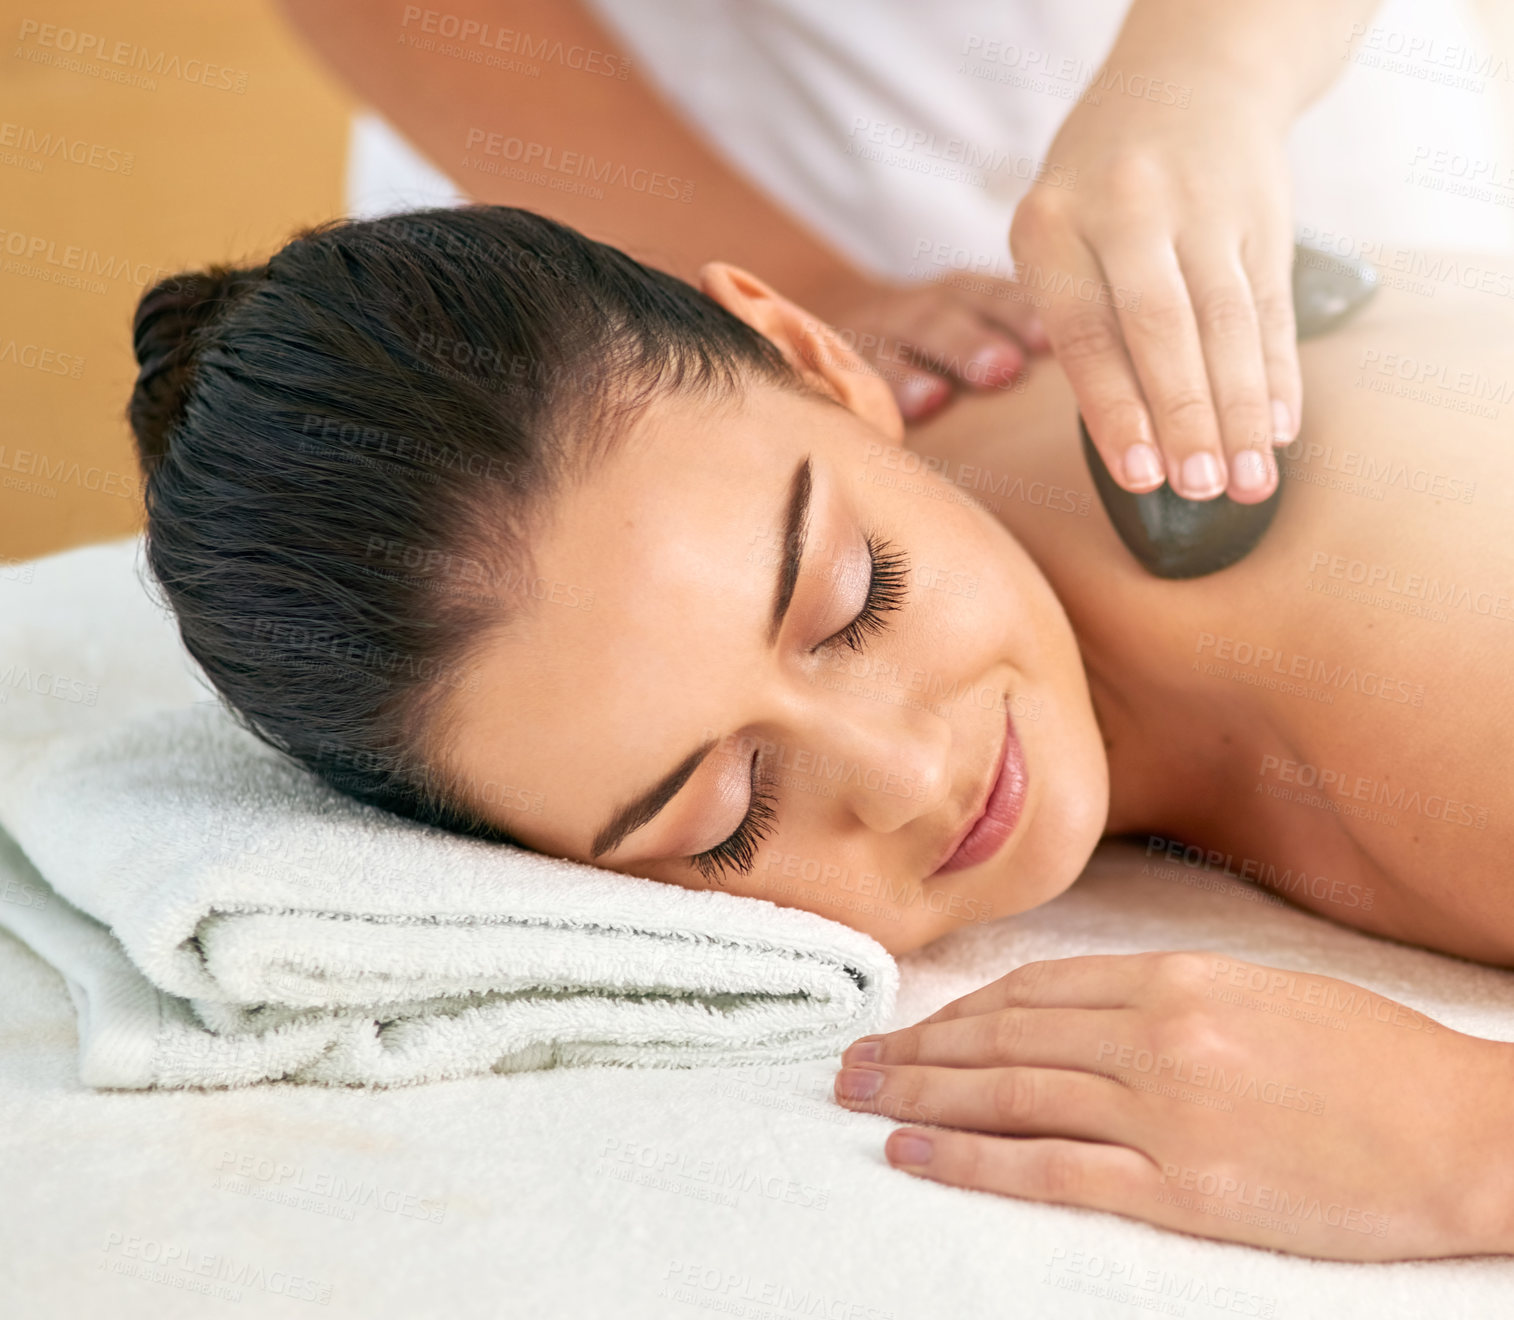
(918, 393)
(1095, 1175)
(1085, 333)
(1270, 274)
(1094, 980)
(1007, 303)
(1119, 1179)
(1162, 337)
(1230, 335)
(1040, 1037)
(917, 390)
(1025, 1101)
(948, 338)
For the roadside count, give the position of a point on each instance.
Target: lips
(999, 810)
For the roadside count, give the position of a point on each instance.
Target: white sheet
(281, 930)
(622, 1192)
(587, 1192)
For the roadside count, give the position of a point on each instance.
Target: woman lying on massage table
(488, 524)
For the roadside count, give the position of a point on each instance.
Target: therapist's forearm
(448, 107)
(1282, 53)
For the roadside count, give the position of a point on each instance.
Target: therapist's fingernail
(1143, 466)
(1282, 423)
(908, 1148)
(919, 395)
(865, 1050)
(1249, 469)
(993, 366)
(858, 1083)
(1202, 476)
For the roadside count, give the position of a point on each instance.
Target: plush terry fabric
(254, 923)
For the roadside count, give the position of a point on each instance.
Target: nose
(891, 763)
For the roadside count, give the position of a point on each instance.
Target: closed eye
(739, 848)
(887, 587)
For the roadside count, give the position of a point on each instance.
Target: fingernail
(1282, 423)
(1249, 469)
(1143, 465)
(1034, 335)
(858, 1083)
(1202, 476)
(865, 1050)
(993, 365)
(909, 1148)
(919, 393)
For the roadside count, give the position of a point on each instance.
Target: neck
(1160, 775)
(1118, 720)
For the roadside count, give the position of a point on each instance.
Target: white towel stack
(223, 917)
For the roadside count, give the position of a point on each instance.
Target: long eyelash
(886, 589)
(737, 851)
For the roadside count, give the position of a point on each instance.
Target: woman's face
(757, 657)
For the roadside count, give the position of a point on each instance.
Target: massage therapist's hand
(1161, 230)
(1217, 1097)
(926, 340)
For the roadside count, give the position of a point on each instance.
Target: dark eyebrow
(638, 813)
(795, 524)
(641, 809)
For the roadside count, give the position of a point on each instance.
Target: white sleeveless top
(905, 131)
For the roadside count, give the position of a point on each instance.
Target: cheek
(980, 596)
(793, 871)
(805, 867)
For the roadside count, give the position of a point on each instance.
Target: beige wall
(215, 172)
(1497, 19)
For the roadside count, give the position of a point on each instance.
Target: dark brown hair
(345, 450)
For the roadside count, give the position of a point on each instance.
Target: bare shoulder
(1364, 651)
(1389, 573)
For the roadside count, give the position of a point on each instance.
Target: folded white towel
(319, 939)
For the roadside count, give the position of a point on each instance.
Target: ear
(811, 347)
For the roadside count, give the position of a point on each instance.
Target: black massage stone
(1177, 538)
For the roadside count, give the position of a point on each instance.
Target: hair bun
(165, 336)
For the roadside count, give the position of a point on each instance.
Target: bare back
(1340, 704)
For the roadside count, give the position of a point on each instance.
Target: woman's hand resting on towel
(1222, 1098)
